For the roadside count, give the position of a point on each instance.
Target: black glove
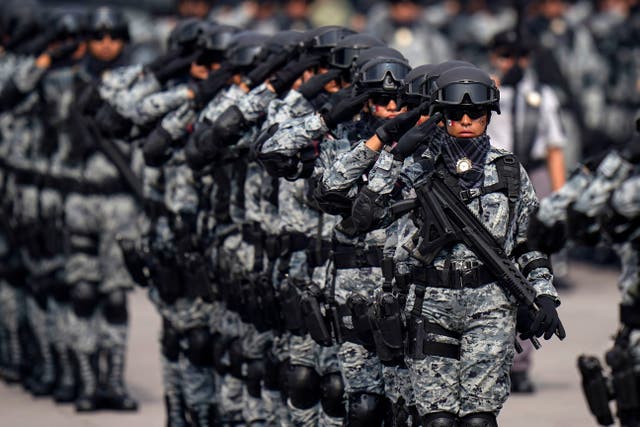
(393, 129)
(157, 147)
(344, 110)
(201, 147)
(174, 67)
(284, 78)
(206, 89)
(264, 70)
(39, 43)
(63, 51)
(112, 123)
(544, 322)
(414, 137)
(315, 85)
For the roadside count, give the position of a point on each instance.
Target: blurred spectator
(402, 24)
(568, 61)
(194, 8)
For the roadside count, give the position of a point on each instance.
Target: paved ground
(589, 312)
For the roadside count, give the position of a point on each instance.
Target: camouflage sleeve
(158, 104)
(553, 209)
(125, 93)
(254, 105)
(348, 168)
(626, 199)
(294, 134)
(293, 105)
(27, 75)
(611, 172)
(177, 122)
(540, 277)
(384, 174)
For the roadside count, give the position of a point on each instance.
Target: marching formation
(327, 232)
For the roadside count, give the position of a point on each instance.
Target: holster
(270, 308)
(387, 325)
(195, 275)
(415, 338)
(362, 334)
(315, 321)
(135, 260)
(595, 388)
(167, 278)
(290, 301)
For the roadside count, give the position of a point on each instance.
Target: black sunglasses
(383, 99)
(458, 113)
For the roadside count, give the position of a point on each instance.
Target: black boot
(115, 395)
(86, 400)
(176, 411)
(202, 416)
(65, 390)
(520, 382)
(44, 383)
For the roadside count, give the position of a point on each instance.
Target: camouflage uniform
(479, 380)
(298, 216)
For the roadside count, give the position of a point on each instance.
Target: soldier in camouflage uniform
(468, 345)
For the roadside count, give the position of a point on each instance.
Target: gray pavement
(589, 313)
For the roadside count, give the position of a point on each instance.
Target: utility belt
(186, 277)
(465, 275)
(283, 244)
(256, 302)
(349, 256)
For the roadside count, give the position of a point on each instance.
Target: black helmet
(245, 48)
(412, 93)
(185, 34)
(440, 68)
(108, 20)
(465, 86)
(21, 20)
(216, 37)
(325, 38)
(382, 75)
(287, 40)
(68, 24)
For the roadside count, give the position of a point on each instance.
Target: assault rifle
(447, 220)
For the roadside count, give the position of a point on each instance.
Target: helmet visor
(380, 72)
(343, 57)
(477, 93)
(245, 55)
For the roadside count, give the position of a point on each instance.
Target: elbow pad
(157, 147)
(368, 210)
(10, 96)
(202, 148)
(112, 123)
(230, 126)
(333, 202)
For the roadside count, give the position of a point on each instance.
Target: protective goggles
(116, 34)
(387, 73)
(244, 56)
(343, 57)
(457, 93)
(329, 39)
(456, 114)
(383, 99)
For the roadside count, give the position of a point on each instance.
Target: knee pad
(303, 386)
(365, 409)
(481, 419)
(84, 299)
(332, 395)
(440, 419)
(236, 358)
(255, 373)
(115, 308)
(170, 342)
(200, 347)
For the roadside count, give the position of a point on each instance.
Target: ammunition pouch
(315, 320)
(595, 389)
(358, 309)
(135, 261)
(630, 315)
(166, 277)
(388, 329)
(195, 275)
(268, 303)
(290, 301)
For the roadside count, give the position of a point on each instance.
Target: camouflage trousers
(12, 309)
(231, 389)
(361, 369)
(254, 347)
(40, 323)
(173, 392)
(306, 352)
(198, 386)
(275, 406)
(60, 313)
(479, 381)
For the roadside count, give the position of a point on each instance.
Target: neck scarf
(464, 157)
